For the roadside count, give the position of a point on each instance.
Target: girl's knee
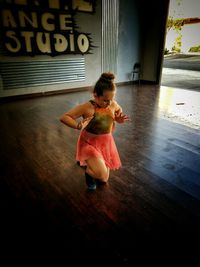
(102, 176)
(99, 174)
(98, 169)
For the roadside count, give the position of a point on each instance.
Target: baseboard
(64, 91)
(148, 82)
(125, 83)
(42, 94)
(136, 82)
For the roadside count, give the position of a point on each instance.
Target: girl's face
(106, 99)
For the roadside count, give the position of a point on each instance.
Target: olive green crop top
(102, 121)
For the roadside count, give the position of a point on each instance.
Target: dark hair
(104, 83)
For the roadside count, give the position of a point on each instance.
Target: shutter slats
(21, 74)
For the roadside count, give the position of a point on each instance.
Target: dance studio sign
(43, 27)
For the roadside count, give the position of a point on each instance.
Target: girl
(96, 148)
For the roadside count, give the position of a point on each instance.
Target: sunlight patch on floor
(179, 105)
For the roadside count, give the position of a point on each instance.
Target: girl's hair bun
(107, 76)
(104, 83)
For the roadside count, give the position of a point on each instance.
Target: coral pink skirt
(100, 146)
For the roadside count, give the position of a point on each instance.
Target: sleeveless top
(102, 122)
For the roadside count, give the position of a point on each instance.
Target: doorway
(181, 64)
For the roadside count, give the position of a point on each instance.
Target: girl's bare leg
(97, 168)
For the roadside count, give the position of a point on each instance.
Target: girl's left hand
(120, 117)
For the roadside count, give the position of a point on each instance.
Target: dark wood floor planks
(153, 198)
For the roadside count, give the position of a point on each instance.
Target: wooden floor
(153, 200)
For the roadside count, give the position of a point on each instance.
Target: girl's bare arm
(119, 116)
(70, 117)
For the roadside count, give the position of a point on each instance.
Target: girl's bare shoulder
(88, 109)
(83, 109)
(116, 106)
(84, 106)
(87, 106)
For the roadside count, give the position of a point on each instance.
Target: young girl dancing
(96, 147)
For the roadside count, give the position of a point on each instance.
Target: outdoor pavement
(182, 61)
(182, 71)
(180, 86)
